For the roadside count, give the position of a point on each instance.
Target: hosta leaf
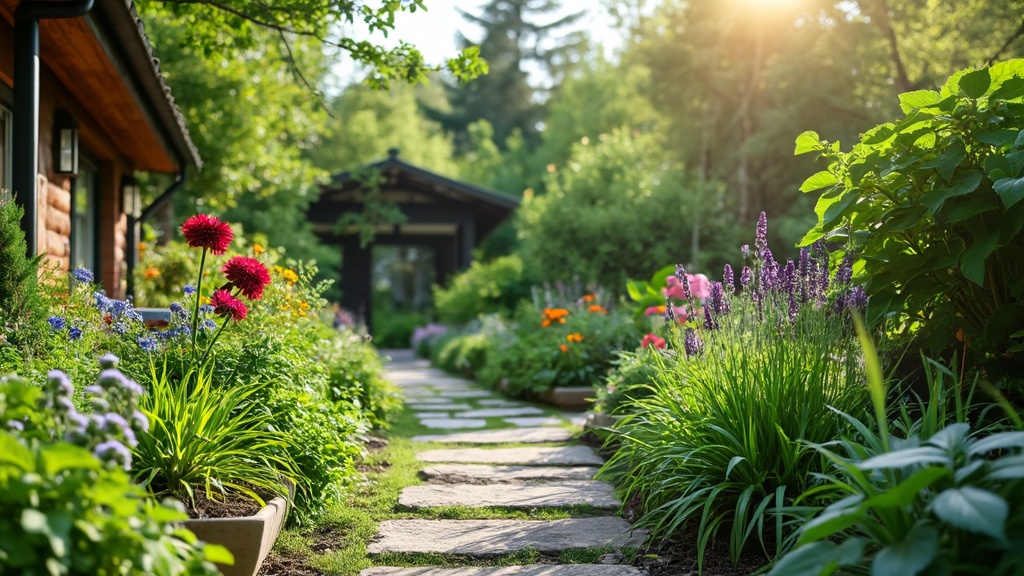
(900, 458)
(998, 441)
(972, 263)
(910, 101)
(809, 141)
(965, 184)
(975, 84)
(819, 558)
(974, 510)
(909, 557)
(818, 181)
(1010, 190)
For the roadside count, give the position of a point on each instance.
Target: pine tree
(19, 291)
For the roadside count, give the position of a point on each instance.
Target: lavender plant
(717, 443)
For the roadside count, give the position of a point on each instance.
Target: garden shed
(444, 215)
(83, 107)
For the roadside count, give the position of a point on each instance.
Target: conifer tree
(20, 300)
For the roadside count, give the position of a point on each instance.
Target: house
(83, 108)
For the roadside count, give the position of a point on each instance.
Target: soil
(234, 506)
(680, 559)
(277, 564)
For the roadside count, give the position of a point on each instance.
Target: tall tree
(516, 37)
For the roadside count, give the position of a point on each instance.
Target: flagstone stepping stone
(558, 456)
(536, 495)
(535, 421)
(452, 423)
(471, 393)
(431, 399)
(525, 435)
(484, 474)
(497, 537)
(535, 570)
(500, 403)
(438, 407)
(496, 412)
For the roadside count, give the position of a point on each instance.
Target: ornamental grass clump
(715, 445)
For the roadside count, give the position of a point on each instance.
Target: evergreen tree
(22, 305)
(514, 39)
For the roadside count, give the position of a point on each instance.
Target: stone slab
(528, 421)
(471, 393)
(502, 412)
(497, 537)
(527, 435)
(534, 570)
(428, 399)
(535, 495)
(438, 407)
(484, 474)
(452, 423)
(570, 396)
(560, 456)
(499, 403)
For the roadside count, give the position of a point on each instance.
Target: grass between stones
(336, 544)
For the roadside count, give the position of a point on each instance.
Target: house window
(84, 234)
(5, 148)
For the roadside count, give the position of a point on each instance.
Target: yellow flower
(303, 306)
(290, 276)
(152, 272)
(574, 337)
(258, 249)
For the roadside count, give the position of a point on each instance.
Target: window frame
(87, 167)
(7, 116)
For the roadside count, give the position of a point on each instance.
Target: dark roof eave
(143, 74)
(490, 196)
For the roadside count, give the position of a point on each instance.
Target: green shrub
(394, 328)
(464, 354)
(630, 379)
(24, 309)
(493, 287)
(557, 346)
(68, 507)
(931, 207)
(716, 443)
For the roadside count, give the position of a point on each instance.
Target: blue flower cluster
(59, 323)
(115, 423)
(83, 275)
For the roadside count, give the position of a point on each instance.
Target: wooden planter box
(249, 538)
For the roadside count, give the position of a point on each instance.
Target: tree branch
(297, 73)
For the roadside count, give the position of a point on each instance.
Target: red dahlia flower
(249, 275)
(224, 304)
(204, 231)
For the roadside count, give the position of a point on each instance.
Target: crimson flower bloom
(652, 339)
(224, 304)
(249, 275)
(204, 231)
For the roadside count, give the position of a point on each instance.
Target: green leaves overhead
(949, 173)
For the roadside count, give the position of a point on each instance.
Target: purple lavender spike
(717, 300)
(845, 272)
(710, 322)
(692, 343)
(794, 309)
(670, 315)
(789, 279)
(683, 281)
(761, 235)
(727, 279)
(745, 276)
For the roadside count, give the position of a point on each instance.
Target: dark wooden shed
(445, 215)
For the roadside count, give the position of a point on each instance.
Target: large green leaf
(14, 452)
(809, 141)
(948, 161)
(910, 456)
(999, 441)
(965, 184)
(63, 456)
(1012, 88)
(974, 510)
(819, 558)
(1010, 190)
(998, 138)
(906, 492)
(910, 101)
(975, 84)
(909, 557)
(972, 263)
(972, 206)
(818, 181)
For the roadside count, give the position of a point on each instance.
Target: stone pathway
(477, 472)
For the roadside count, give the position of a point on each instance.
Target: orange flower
(552, 315)
(258, 249)
(563, 348)
(152, 272)
(589, 297)
(545, 323)
(597, 308)
(574, 337)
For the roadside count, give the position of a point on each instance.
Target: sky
(434, 31)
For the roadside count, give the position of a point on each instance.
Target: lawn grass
(336, 543)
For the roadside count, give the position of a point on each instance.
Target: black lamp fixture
(131, 204)
(65, 142)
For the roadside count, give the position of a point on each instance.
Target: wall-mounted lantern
(66, 142)
(131, 202)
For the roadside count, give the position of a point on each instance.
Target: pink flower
(700, 287)
(204, 231)
(682, 314)
(654, 311)
(652, 339)
(249, 275)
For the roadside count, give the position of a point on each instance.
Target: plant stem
(199, 298)
(209, 348)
